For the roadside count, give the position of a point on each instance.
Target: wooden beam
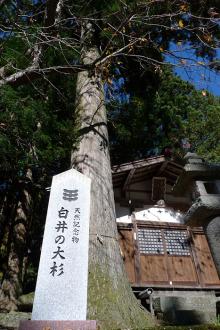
(170, 175)
(158, 188)
(128, 179)
(162, 168)
(173, 169)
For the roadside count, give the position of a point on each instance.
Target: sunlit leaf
(184, 7)
(180, 23)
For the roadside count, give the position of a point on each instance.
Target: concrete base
(185, 308)
(58, 325)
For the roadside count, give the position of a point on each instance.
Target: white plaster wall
(122, 213)
(149, 213)
(160, 214)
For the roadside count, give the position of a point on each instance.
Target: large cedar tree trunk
(110, 299)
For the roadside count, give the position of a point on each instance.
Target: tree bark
(110, 299)
(11, 287)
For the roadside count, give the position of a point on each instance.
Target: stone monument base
(58, 325)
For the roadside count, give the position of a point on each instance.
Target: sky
(202, 78)
(194, 69)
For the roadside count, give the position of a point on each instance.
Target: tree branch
(2, 2)
(118, 51)
(53, 14)
(33, 73)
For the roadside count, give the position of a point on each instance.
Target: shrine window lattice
(177, 242)
(152, 241)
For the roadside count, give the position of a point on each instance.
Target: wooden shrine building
(164, 238)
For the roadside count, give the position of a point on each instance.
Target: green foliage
(188, 113)
(36, 134)
(14, 54)
(161, 115)
(131, 135)
(35, 130)
(203, 130)
(217, 321)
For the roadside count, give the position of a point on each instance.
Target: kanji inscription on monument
(61, 290)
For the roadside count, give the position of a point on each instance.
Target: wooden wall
(194, 267)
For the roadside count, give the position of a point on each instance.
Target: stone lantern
(200, 182)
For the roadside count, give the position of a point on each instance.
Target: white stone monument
(61, 290)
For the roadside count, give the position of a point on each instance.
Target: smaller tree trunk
(11, 287)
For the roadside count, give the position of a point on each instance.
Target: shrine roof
(139, 170)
